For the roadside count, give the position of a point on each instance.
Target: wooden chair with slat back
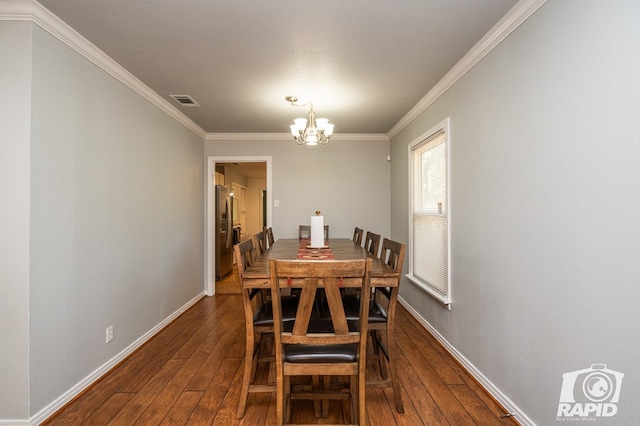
(371, 243)
(382, 323)
(304, 231)
(330, 347)
(382, 313)
(254, 308)
(269, 233)
(357, 236)
(260, 242)
(258, 315)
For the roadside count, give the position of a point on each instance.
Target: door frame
(210, 272)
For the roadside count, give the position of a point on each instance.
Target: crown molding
(29, 10)
(287, 137)
(512, 20)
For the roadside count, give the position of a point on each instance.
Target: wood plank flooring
(190, 374)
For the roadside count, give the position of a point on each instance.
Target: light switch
(276, 203)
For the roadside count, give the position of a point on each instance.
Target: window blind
(429, 230)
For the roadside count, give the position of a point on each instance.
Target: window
(428, 210)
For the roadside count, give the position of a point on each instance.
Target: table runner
(305, 252)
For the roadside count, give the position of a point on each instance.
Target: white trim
(446, 301)
(287, 136)
(472, 369)
(21, 10)
(209, 247)
(209, 277)
(509, 22)
(58, 403)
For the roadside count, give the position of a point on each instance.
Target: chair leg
(317, 404)
(247, 374)
(286, 395)
(361, 413)
(257, 348)
(391, 357)
(378, 345)
(352, 402)
(326, 386)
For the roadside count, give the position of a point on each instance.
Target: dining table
(257, 275)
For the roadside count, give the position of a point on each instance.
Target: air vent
(185, 100)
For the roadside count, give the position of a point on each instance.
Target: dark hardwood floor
(190, 374)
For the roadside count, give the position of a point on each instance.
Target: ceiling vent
(185, 100)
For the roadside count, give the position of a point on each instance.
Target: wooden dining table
(257, 275)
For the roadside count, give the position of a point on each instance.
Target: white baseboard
(50, 409)
(477, 374)
(10, 422)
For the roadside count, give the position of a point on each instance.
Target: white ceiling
(363, 63)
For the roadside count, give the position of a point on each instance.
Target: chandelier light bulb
(322, 123)
(328, 130)
(300, 123)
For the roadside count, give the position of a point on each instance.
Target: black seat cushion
(319, 354)
(351, 303)
(377, 314)
(325, 353)
(264, 314)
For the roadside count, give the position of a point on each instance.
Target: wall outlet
(109, 333)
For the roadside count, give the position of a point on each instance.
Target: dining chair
(260, 242)
(382, 314)
(320, 347)
(357, 236)
(269, 233)
(258, 315)
(304, 231)
(371, 243)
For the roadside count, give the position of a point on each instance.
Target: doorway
(263, 204)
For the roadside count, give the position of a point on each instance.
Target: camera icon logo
(590, 392)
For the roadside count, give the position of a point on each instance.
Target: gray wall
(347, 180)
(116, 212)
(103, 220)
(15, 76)
(545, 167)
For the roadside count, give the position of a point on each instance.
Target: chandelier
(318, 131)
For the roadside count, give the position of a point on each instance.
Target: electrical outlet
(109, 333)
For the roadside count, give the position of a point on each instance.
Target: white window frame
(426, 138)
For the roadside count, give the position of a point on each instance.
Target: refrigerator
(223, 231)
